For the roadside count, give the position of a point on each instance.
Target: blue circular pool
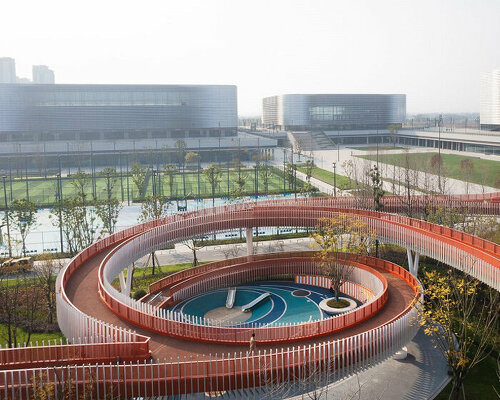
(281, 307)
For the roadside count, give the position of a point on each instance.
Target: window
(327, 113)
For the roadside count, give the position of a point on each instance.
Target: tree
(154, 207)
(194, 245)
(467, 168)
(298, 147)
(461, 316)
(180, 148)
(309, 170)
(77, 215)
(80, 182)
(109, 208)
(79, 222)
(192, 159)
(437, 166)
(378, 193)
(22, 215)
(336, 237)
(308, 187)
(138, 174)
(46, 273)
(214, 175)
(230, 251)
(18, 308)
(408, 182)
(170, 171)
(393, 131)
(239, 186)
(265, 175)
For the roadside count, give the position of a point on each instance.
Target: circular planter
(332, 311)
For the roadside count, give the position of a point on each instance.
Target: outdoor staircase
(311, 140)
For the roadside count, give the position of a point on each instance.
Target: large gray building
(7, 70)
(86, 126)
(333, 111)
(92, 112)
(490, 101)
(43, 74)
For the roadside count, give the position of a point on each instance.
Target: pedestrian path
(420, 376)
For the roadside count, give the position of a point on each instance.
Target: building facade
(93, 112)
(42, 74)
(7, 70)
(333, 111)
(490, 101)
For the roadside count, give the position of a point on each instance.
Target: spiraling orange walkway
(82, 291)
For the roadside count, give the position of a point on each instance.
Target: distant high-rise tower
(42, 74)
(7, 70)
(490, 101)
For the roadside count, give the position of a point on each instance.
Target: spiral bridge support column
(126, 285)
(413, 262)
(249, 237)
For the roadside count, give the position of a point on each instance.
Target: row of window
(105, 98)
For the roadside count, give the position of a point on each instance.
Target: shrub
(139, 293)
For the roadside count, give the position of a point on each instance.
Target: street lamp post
(284, 170)
(338, 145)
(334, 178)
(59, 195)
(439, 150)
(108, 189)
(153, 176)
(377, 138)
(6, 214)
(295, 179)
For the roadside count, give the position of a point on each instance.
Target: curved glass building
(44, 112)
(333, 111)
(490, 101)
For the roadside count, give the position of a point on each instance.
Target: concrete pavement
(421, 376)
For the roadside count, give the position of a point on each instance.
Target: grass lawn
(343, 182)
(21, 335)
(43, 191)
(140, 273)
(479, 383)
(374, 148)
(143, 276)
(484, 172)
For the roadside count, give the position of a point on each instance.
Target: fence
(272, 371)
(478, 257)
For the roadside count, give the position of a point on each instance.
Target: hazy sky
(434, 51)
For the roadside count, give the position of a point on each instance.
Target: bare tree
(154, 207)
(214, 175)
(194, 245)
(46, 273)
(138, 174)
(466, 168)
(109, 208)
(170, 171)
(18, 308)
(22, 215)
(230, 251)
